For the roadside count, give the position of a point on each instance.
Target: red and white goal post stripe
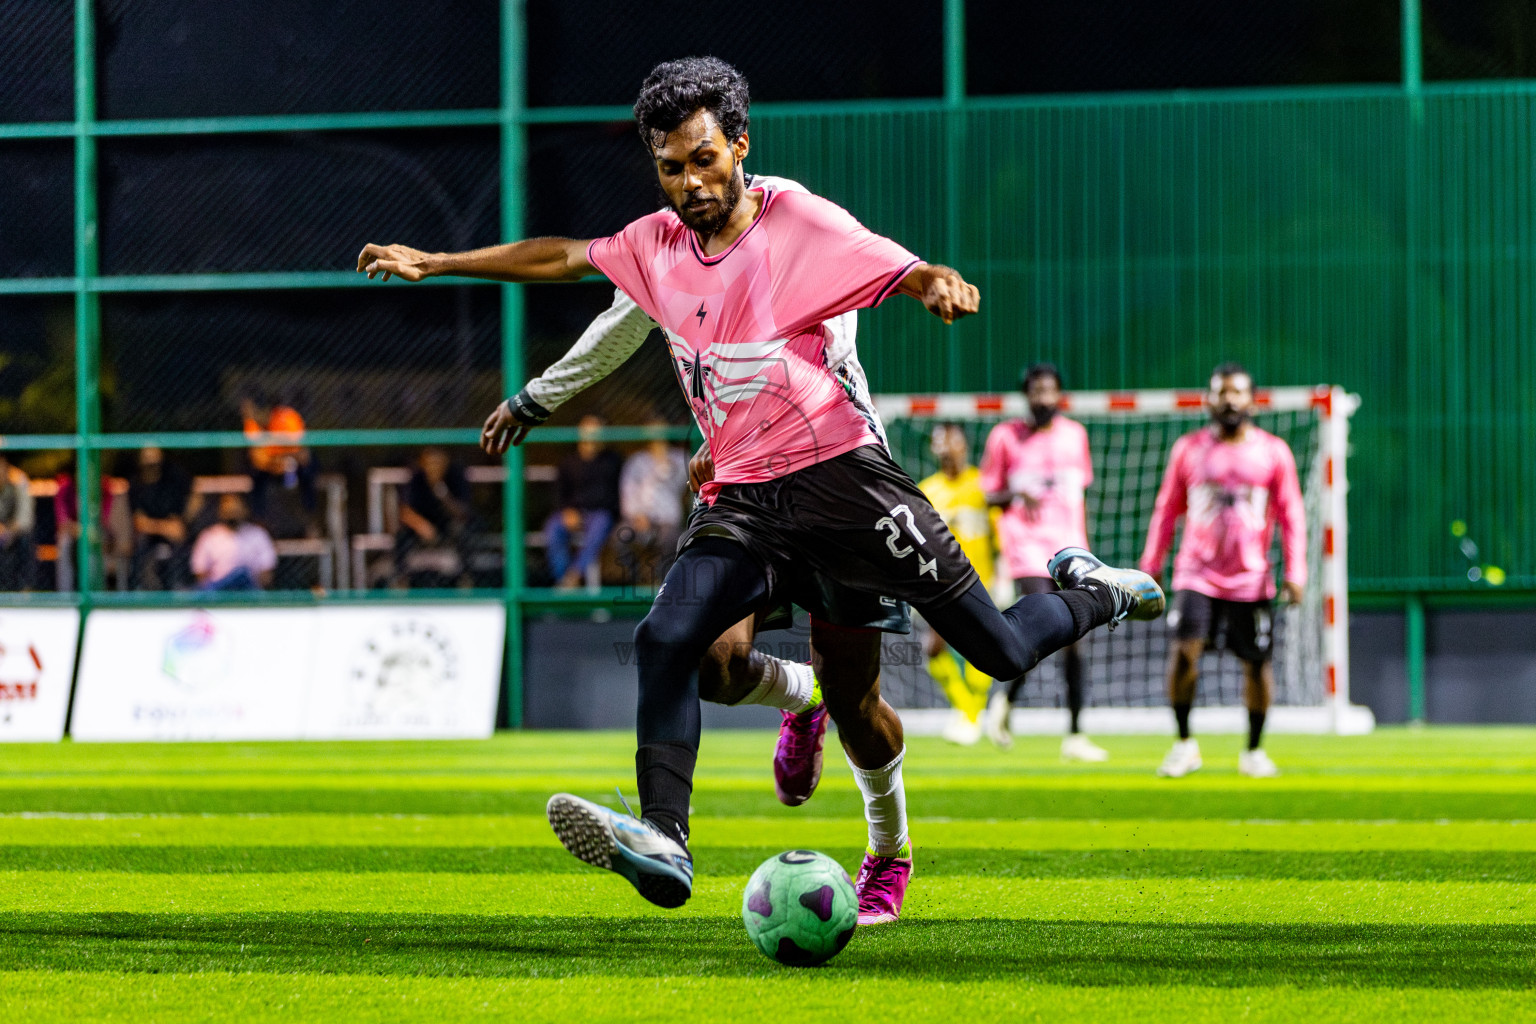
(1335, 406)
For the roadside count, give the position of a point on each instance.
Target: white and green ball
(800, 908)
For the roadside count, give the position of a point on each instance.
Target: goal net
(1130, 435)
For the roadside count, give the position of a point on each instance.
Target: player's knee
(659, 636)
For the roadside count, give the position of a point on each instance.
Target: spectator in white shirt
(651, 490)
(233, 553)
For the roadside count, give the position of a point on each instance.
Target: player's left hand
(947, 295)
(399, 260)
(509, 424)
(1292, 592)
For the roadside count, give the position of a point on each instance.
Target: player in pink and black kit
(1231, 482)
(742, 282)
(1037, 471)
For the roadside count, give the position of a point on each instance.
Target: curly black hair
(675, 89)
(1037, 371)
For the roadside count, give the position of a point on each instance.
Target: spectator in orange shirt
(275, 430)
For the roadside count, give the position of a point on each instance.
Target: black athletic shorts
(1246, 628)
(856, 521)
(830, 601)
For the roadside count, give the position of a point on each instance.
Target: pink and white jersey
(746, 327)
(1051, 466)
(1230, 495)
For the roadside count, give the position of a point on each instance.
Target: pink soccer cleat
(881, 886)
(797, 758)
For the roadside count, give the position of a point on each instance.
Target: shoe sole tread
(588, 838)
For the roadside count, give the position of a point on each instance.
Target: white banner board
(381, 671)
(392, 672)
(219, 674)
(37, 663)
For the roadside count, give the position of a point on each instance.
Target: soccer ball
(800, 908)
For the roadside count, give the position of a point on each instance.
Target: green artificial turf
(1391, 876)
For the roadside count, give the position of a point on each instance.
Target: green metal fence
(1378, 237)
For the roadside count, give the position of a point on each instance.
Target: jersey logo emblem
(697, 371)
(930, 567)
(701, 314)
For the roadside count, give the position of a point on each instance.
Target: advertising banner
(382, 671)
(221, 674)
(407, 671)
(37, 662)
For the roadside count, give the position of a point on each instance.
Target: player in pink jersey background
(1231, 482)
(1037, 471)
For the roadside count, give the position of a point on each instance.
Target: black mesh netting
(296, 56)
(1127, 667)
(645, 386)
(37, 52)
(37, 364)
(1109, 45)
(393, 356)
(1479, 39)
(292, 201)
(37, 209)
(596, 52)
(588, 180)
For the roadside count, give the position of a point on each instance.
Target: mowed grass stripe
(1252, 800)
(585, 951)
(595, 893)
(1394, 865)
(1393, 752)
(804, 827)
(801, 995)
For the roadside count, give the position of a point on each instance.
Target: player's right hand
(510, 423)
(701, 468)
(947, 295)
(399, 260)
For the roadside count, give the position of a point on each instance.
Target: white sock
(786, 685)
(885, 805)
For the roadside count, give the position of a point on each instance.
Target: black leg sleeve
(712, 585)
(1003, 644)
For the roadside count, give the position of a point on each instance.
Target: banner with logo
(37, 662)
(407, 671)
(352, 672)
(219, 674)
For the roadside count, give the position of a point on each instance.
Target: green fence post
(1415, 653)
(87, 303)
(513, 65)
(954, 153)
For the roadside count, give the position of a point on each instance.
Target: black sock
(1181, 715)
(664, 776)
(1255, 728)
(1090, 606)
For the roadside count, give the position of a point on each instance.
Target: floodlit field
(1386, 877)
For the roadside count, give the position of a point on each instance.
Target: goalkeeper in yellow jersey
(956, 493)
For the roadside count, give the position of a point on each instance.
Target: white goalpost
(1130, 434)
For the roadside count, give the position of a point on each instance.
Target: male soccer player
(845, 625)
(1231, 481)
(742, 281)
(956, 493)
(1036, 471)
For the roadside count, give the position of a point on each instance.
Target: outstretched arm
(942, 290)
(536, 259)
